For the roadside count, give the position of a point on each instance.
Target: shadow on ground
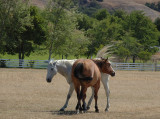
(68, 112)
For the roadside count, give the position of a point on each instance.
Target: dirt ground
(25, 94)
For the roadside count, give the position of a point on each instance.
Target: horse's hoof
(88, 108)
(62, 110)
(97, 110)
(85, 111)
(106, 110)
(77, 111)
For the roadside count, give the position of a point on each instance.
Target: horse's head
(51, 70)
(105, 66)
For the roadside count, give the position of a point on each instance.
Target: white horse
(64, 67)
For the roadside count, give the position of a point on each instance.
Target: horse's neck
(99, 64)
(63, 69)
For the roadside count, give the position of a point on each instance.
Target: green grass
(38, 56)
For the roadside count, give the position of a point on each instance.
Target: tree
(157, 23)
(103, 33)
(144, 55)
(140, 34)
(21, 27)
(84, 22)
(102, 14)
(128, 47)
(61, 25)
(14, 20)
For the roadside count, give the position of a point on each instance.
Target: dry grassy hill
(111, 5)
(131, 5)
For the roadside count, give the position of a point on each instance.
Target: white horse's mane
(63, 61)
(51, 61)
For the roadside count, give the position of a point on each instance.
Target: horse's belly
(89, 83)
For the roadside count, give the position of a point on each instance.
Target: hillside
(131, 5)
(111, 5)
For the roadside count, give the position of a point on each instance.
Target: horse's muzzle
(49, 80)
(113, 74)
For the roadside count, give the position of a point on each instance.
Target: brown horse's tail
(78, 73)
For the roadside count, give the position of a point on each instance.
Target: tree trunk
(134, 59)
(126, 59)
(88, 55)
(20, 56)
(50, 53)
(66, 56)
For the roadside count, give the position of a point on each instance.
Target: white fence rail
(16, 63)
(136, 66)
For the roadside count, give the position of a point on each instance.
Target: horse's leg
(91, 98)
(106, 87)
(96, 88)
(78, 107)
(83, 94)
(71, 89)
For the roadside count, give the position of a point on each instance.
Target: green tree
(128, 47)
(102, 14)
(61, 27)
(15, 18)
(139, 33)
(84, 22)
(144, 55)
(21, 27)
(157, 23)
(103, 33)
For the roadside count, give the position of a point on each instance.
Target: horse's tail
(78, 73)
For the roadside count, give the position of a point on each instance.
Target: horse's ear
(106, 59)
(102, 58)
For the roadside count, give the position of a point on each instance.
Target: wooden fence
(16, 63)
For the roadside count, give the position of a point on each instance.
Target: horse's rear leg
(83, 94)
(78, 107)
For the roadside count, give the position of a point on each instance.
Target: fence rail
(16, 63)
(137, 66)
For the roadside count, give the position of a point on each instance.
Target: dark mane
(98, 63)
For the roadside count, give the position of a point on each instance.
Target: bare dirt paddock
(25, 94)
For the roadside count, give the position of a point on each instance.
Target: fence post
(155, 66)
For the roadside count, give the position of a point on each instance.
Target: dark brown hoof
(97, 110)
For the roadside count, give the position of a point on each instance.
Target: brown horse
(86, 73)
(104, 66)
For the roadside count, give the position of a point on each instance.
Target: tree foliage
(65, 31)
(141, 34)
(20, 28)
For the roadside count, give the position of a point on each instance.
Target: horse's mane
(51, 61)
(99, 59)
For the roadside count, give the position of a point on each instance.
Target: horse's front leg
(106, 87)
(71, 89)
(96, 88)
(96, 98)
(91, 98)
